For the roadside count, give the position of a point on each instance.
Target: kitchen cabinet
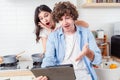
(4, 78)
(22, 78)
(17, 78)
(103, 45)
(21, 74)
(101, 5)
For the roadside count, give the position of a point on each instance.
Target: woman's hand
(42, 25)
(41, 78)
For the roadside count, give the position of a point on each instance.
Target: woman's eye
(46, 15)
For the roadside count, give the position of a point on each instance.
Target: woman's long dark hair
(36, 19)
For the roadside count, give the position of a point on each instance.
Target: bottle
(89, 1)
(117, 1)
(100, 33)
(99, 1)
(109, 1)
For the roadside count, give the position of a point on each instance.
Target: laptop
(59, 72)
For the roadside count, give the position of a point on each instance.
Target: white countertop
(23, 71)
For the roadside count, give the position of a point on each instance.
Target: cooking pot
(37, 57)
(10, 58)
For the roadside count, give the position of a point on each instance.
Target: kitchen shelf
(100, 38)
(101, 5)
(103, 46)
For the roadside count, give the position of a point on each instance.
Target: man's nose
(64, 21)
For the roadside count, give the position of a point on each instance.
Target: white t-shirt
(44, 33)
(71, 53)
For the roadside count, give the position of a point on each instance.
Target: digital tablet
(59, 72)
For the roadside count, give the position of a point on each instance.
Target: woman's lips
(47, 23)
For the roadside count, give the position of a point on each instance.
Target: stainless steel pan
(10, 58)
(37, 57)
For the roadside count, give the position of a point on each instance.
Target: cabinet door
(22, 78)
(5, 78)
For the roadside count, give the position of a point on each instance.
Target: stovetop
(21, 65)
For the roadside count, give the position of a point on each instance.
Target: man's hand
(85, 52)
(41, 78)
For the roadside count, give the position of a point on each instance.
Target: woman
(45, 24)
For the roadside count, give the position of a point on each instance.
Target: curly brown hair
(63, 8)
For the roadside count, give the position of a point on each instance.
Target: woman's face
(45, 18)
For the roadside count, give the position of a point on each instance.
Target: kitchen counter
(23, 70)
(111, 58)
(104, 72)
(10, 73)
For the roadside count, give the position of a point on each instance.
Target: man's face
(67, 23)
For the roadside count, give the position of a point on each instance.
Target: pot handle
(1, 59)
(19, 54)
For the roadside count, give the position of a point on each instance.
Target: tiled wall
(17, 23)
(17, 26)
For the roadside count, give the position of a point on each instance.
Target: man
(71, 44)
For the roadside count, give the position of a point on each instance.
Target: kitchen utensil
(19, 54)
(11, 58)
(37, 57)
